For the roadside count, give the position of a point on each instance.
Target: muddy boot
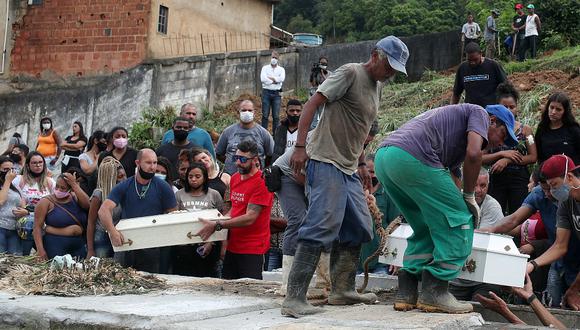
(435, 297)
(343, 263)
(286, 265)
(303, 267)
(406, 298)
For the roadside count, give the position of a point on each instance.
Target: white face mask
(46, 126)
(246, 116)
(274, 61)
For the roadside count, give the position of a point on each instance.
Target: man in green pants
(419, 166)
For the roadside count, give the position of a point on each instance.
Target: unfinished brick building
(99, 37)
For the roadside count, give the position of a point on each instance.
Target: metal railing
(212, 43)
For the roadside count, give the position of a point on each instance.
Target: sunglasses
(242, 159)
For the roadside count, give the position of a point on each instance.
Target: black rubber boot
(343, 263)
(305, 262)
(435, 297)
(406, 298)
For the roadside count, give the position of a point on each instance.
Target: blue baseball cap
(397, 52)
(505, 116)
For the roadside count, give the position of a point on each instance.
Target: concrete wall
(219, 25)
(205, 80)
(10, 10)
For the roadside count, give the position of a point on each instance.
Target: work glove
(469, 199)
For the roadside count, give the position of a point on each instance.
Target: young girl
(197, 259)
(73, 146)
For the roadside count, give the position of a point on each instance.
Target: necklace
(144, 189)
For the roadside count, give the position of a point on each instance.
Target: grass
(567, 60)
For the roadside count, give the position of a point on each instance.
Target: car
(307, 39)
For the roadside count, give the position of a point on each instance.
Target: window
(35, 2)
(162, 25)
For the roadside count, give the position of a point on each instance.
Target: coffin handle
(128, 242)
(190, 235)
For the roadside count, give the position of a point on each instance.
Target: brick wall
(80, 37)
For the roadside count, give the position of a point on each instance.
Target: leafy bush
(148, 132)
(555, 41)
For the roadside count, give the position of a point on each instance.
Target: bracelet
(299, 146)
(531, 298)
(535, 264)
(362, 164)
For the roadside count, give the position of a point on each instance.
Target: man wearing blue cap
(338, 219)
(419, 166)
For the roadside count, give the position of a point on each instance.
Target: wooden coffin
(177, 228)
(494, 258)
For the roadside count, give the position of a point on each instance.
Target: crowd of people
(525, 31)
(297, 198)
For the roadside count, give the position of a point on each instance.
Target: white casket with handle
(494, 258)
(178, 228)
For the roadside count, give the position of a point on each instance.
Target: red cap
(555, 166)
(519, 6)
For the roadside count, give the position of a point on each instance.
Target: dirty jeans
(294, 204)
(340, 213)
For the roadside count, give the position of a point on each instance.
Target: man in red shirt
(249, 226)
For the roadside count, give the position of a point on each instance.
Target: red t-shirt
(253, 239)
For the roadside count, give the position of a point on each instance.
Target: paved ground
(208, 304)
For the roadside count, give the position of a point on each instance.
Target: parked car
(307, 39)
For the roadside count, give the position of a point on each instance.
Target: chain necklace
(144, 189)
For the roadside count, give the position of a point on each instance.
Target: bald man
(246, 129)
(141, 195)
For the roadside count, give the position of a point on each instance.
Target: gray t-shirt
(568, 216)
(438, 137)
(283, 162)
(7, 219)
(232, 136)
(489, 34)
(211, 200)
(98, 193)
(351, 107)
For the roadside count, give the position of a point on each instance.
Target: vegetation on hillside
(356, 20)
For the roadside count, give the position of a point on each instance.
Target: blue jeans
(10, 242)
(56, 245)
(102, 245)
(271, 99)
(274, 259)
(293, 202)
(341, 212)
(27, 246)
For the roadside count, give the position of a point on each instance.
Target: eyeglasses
(242, 159)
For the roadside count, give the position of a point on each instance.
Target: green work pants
(433, 206)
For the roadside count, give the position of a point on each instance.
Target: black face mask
(180, 135)
(2, 176)
(15, 158)
(101, 146)
(145, 175)
(375, 181)
(293, 119)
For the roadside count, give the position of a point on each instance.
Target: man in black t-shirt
(479, 77)
(171, 150)
(519, 26)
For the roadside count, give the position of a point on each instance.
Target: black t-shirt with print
(480, 83)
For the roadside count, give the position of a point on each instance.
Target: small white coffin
(494, 258)
(166, 230)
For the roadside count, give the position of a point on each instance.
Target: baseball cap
(557, 166)
(397, 52)
(530, 6)
(519, 6)
(495, 11)
(505, 116)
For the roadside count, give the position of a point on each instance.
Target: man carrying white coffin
(491, 213)
(249, 226)
(141, 195)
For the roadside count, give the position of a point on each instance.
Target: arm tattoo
(255, 208)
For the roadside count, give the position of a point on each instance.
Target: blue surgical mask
(561, 193)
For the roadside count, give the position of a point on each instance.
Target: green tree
(300, 24)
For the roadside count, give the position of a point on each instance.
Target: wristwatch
(531, 298)
(218, 226)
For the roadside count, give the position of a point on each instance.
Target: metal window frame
(163, 21)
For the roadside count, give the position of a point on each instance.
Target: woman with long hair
(218, 179)
(49, 143)
(121, 150)
(509, 175)
(65, 208)
(73, 146)
(197, 259)
(11, 208)
(558, 131)
(110, 173)
(164, 171)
